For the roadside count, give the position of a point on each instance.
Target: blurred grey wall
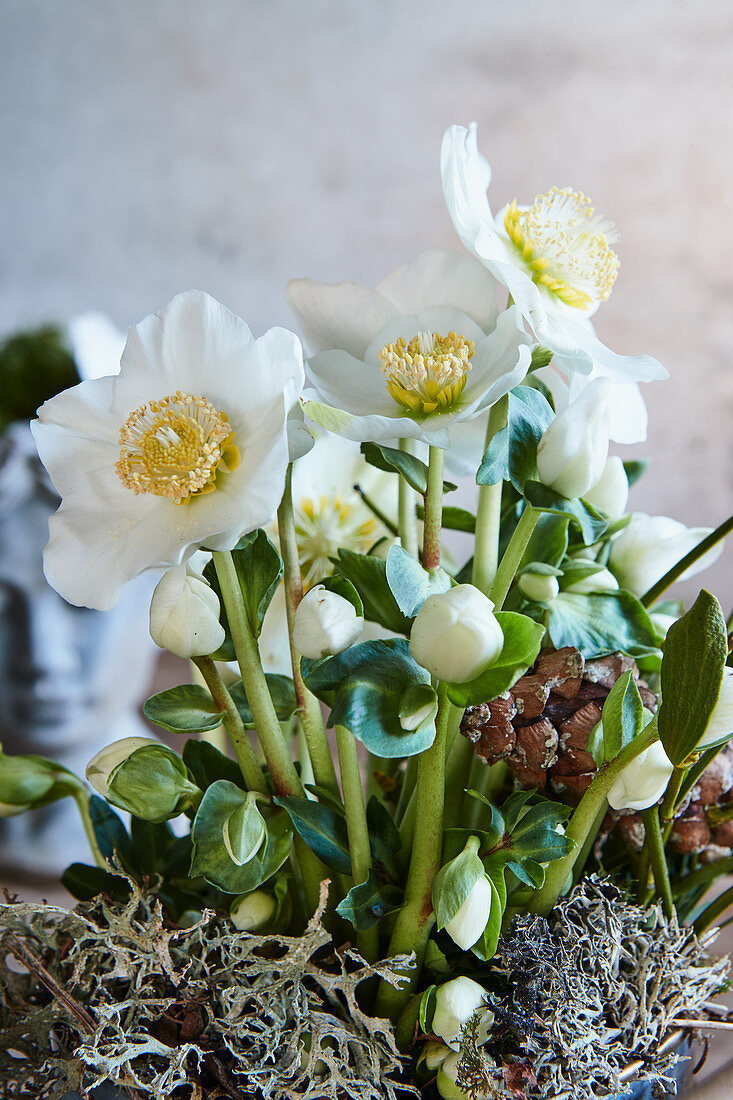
(149, 146)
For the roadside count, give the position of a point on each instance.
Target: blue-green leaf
(368, 574)
(323, 830)
(366, 904)
(282, 692)
(601, 623)
(259, 570)
(410, 584)
(185, 709)
(412, 469)
(591, 523)
(512, 453)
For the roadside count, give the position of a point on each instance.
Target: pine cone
(540, 726)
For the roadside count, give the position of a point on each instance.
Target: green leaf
(259, 570)
(149, 843)
(211, 858)
(412, 469)
(427, 1009)
(185, 709)
(541, 357)
(366, 904)
(410, 584)
(695, 652)
(528, 871)
(549, 540)
(323, 830)
(84, 883)
(453, 519)
(535, 835)
(634, 469)
(109, 830)
(206, 764)
(368, 574)
(384, 836)
(282, 691)
(496, 827)
(366, 685)
(622, 716)
(600, 624)
(522, 640)
(512, 453)
(485, 949)
(514, 807)
(345, 589)
(590, 522)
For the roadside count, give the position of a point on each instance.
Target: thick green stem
(584, 818)
(237, 734)
(655, 846)
(308, 706)
(488, 515)
(284, 776)
(358, 830)
(82, 802)
(415, 918)
(670, 800)
(457, 771)
(588, 843)
(513, 555)
(684, 564)
(406, 509)
(433, 511)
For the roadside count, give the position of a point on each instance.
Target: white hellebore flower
(424, 352)
(184, 614)
(611, 492)
(554, 258)
(650, 545)
(455, 635)
(642, 782)
(325, 623)
(252, 912)
(572, 453)
(721, 720)
(467, 927)
(103, 763)
(540, 587)
(455, 1003)
(186, 446)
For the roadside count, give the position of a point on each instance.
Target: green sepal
(600, 624)
(342, 587)
(394, 461)
(590, 522)
(485, 948)
(695, 652)
(282, 693)
(187, 709)
(32, 781)
(152, 783)
(512, 453)
(323, 830)
(522, 641)
(427, 1009)
(410, 584)
(455, 881)
(366, 904)
(368, 574)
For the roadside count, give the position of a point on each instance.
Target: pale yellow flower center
(323, 525)
(429, 373)
(175, 447)
(566, 246)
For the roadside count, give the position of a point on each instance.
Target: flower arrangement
(512, 771)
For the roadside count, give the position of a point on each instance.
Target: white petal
(440, 319)
(97, 344)
(338, 315)
(436, 278)
(502, 356)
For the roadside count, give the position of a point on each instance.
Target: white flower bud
(455, 1003)
(611, 493)
(721, 720)
(602, 581)
(447, 1081)
(184, 614)
(650, 545)
(642, 782)
(540, 587)
(572, 453)
(103, 763)
(325, 623)
(456, 635)
(468, 925)
(434, 1054)
(252, 912)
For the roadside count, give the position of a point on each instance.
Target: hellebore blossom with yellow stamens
(186, 447)
(425, 352)
(554, 258)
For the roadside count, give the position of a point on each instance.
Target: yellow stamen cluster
(325, 524)
(566, 246)
(175, 447)
(429, 373)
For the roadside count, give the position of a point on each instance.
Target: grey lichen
(585, 994)
(110, 993)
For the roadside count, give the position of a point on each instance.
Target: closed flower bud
(463, 878)
(642, 782)
(456, 635)
(467, 927)
(601, 581)
(721, 720)
(30, 781)
(101, 766)
(455, 1003)
(434, 1054)
(325, 623)
(540, 587)
(447, 1081)
(572, 453)
(253, 912)
(611, 493)
(650, 545)
(184, 614)
(143, 777)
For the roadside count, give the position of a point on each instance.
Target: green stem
(358, 830)
(488, 515)
(584, 818)
(655, 845)
(669, 802)
(642, 877)
(588, 843)
(415, 918)
(684, 564)
(238, 737)
(711, 913)
(308, 706)
(284, 776)
(406, 509)
(513, 555)
(457, 771)
(377, 511)
(82, 802)
(433, 511)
